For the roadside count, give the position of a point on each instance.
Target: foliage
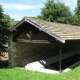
(59, 12)
(5, 24)
(4, 29)
(13, 22)
(75, 20)
(77, 10)
(76, 16)
(55, 11)
(22, 74)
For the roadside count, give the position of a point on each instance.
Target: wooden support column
(60, 58)
(10, 50)
(31, 34)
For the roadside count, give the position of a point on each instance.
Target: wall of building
(24, 53)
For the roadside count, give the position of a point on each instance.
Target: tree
(76, 20)
(55, 11)
(13, 22)
(47, 11)
(4, 29)
(77, 10)
(76, 17)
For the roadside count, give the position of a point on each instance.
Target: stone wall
(24, 53)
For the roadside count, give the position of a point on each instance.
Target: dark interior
(65, 63)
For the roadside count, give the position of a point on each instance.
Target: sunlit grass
(22, 74)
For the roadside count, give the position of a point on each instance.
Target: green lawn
(22, 74)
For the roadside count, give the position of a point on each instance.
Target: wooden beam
(45, 30)
(30, 35)
(34, 41)
(60, 61)
(17, 34)
(60, 66)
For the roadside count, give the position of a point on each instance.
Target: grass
(22, 74)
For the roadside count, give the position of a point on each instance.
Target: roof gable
(61, 32)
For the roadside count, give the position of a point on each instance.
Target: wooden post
(31, 34)
(10, 50)
(60, 58)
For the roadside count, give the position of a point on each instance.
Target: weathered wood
(60, 61)
(18, 24)
(45, 30)
(35, 41)
(17, 34)
(41, 28)
(31, 34)
(60, 66)
(28, 35)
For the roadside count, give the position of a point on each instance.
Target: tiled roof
(61, 32)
